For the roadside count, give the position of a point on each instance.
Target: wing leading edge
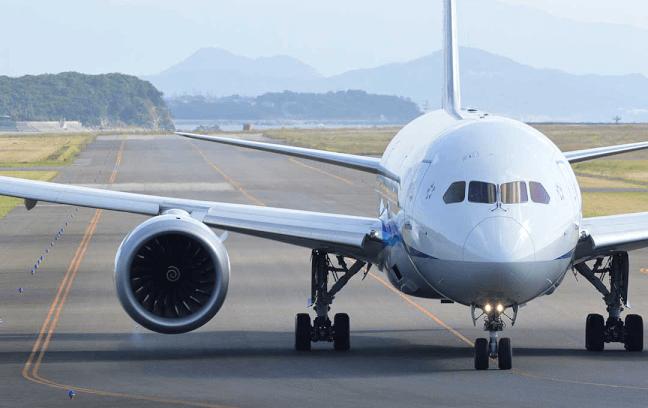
(598, 152)
(357, 237)
(362, 163)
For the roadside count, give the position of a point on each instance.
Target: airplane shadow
(257, 354)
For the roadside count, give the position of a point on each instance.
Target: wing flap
(598, 152)
(601, 236)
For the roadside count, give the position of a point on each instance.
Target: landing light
(488, 308)
(500, 308)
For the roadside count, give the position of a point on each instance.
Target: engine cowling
(172, 273)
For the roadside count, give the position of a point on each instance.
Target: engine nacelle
(172, 273)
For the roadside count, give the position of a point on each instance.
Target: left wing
(603, 236)
(598, 152)
(352, 161)
(357, 237)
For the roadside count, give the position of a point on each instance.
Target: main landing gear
(487, 349)
(597, 331)
(322, 329)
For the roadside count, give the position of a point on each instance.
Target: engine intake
(172, 273)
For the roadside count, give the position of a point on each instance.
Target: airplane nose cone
(499, 240)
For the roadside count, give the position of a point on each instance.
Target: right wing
(356, 237)
(598, 152)
(362, 163)
(603, 236)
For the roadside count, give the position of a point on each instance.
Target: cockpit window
(514, 193)
(538, 193)
(456, 193)
(480, 192)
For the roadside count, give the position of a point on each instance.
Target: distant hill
(221, 73)
(341, 105)
(95, 100)
(490, 82)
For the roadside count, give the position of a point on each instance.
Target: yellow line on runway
(422, 309)
(320, 170)
(228, 178)
(51, 322)
(644, 270)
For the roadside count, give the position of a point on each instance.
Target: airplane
(473, 208)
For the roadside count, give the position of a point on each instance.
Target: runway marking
(52, 319)
(119, 155)
(644, 270)
(425, 311)
(228, 178)
(321, 171)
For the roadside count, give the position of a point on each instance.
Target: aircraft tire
(302, 332)
(594, 332)
(633, 333)
(342, 332)
(481, 354)
(505, 354)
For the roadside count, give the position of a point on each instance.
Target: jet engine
(172, 273)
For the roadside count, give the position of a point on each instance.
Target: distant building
(247, 127)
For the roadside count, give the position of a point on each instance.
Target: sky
(141, 37)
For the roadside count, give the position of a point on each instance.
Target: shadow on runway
(255, 354)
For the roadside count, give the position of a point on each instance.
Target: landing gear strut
(597, 331)
(321, 299)
(487, 349)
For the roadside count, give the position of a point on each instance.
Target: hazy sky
(146, 36)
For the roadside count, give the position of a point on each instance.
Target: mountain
(503, 86)
(490, 82)
(214, 70)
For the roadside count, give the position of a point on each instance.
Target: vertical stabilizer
(451, 95)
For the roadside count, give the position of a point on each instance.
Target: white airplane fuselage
(511, 237)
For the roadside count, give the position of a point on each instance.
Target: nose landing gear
(491, 349)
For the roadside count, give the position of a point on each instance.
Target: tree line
(95, 100)
(344, 105)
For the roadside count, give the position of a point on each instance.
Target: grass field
(9, 203)
(42, 149)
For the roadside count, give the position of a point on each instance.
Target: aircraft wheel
(302, 332)
(341, 332)
(505, 354)
(633, 333)
(594, 332)
(481, 354)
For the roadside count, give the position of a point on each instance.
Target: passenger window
(480, 192)
(538, 193)
(455, 193)
(514, 193)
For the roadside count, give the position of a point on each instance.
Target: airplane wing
(362, 163)
(598, 152)
(357, 237)
(602, 236)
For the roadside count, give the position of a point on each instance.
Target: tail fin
(451, 94)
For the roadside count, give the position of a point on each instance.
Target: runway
(66, 330)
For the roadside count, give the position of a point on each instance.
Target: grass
(9, 203)
(363, 141)
(42, 149)
(598, 204)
